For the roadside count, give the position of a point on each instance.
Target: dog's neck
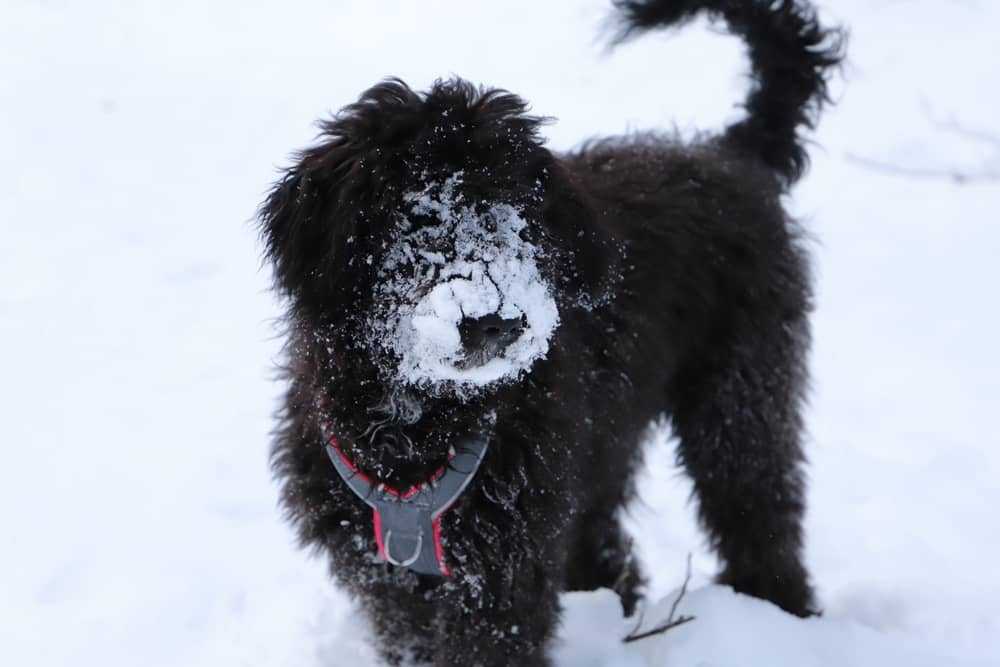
(407, 522)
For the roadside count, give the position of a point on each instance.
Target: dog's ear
(321, 213)
(308, 217)
(293, 227)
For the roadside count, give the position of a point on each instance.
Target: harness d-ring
(409, 561)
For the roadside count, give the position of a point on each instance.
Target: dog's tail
(790, 57)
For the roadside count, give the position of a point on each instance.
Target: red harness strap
(407, 523)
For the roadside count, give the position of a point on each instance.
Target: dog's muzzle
(485, 338)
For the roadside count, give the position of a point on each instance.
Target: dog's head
(430, 248)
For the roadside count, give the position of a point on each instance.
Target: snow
(483, 267)
(752, 633)
(135, 324)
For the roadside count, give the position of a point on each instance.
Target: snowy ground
(139, 518)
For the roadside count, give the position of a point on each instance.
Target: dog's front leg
(500, 619)
(401, 614)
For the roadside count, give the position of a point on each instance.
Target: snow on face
(448, 262)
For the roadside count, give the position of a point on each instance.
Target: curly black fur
(683, 291)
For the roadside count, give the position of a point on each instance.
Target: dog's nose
(486, 337)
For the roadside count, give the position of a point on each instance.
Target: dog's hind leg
(602, 557)
(737, 416)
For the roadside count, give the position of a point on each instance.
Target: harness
(407, 524)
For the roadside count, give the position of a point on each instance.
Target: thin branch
(949, 125)
(683, 591)
(658, 630)
(671, 622)
(981, 136)
(957, 175)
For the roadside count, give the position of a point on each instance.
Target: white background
(136, 140)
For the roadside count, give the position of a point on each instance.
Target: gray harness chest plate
(407, 524)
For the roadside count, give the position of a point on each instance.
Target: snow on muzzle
(462, 302)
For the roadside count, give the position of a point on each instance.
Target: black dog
(457, 291)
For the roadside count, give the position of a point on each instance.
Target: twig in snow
(671, 622)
